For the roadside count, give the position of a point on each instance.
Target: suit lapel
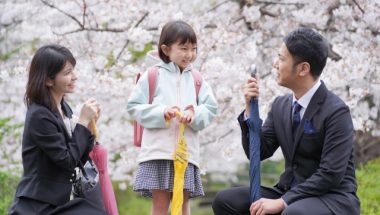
(313, 107)
(288, 122)
(68, 112)
(66, 109)
(62, 124)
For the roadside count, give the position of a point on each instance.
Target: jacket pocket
(311, 145)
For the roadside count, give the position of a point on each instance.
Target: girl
(174, 91)
(51, 149)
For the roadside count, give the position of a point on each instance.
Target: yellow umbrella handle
(180, 164)
(94, 130)
(181, 126)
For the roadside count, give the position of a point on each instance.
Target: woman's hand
(90, 111)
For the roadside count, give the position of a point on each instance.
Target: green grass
(368, 177)
(8, 186)
(130, 202)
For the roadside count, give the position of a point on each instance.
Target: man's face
(285, 70)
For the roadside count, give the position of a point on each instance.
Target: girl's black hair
(175, 31)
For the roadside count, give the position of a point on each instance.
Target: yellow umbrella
(180, 164)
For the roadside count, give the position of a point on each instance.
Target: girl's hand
(169, 112)
(187, 116)
(90, 111)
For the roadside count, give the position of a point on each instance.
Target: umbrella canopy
(180, 164)
(254, 124)
(100, 158)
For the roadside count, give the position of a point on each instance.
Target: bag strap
(81, 167)
(80, 164)
(152, 77)
(197, 82)
(137, 78)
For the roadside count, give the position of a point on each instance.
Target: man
(314, 129)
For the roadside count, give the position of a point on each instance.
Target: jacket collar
(68, 112)
(172, 67)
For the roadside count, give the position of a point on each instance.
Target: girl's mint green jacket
(173, 88)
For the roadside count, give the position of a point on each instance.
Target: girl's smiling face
(181, 54)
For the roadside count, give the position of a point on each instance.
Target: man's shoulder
(334, 100)
(281, 100)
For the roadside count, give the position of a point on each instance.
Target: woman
(51, 148)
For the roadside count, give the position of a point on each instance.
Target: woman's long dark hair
(46, 63)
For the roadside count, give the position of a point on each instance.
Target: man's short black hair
(306, 45)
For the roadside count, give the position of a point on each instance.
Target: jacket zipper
(176, 133)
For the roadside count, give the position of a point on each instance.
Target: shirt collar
(306, 98)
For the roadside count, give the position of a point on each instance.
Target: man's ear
(49, 82)
(165, 49)
(304, 69)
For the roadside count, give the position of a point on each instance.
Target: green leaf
(140, 54)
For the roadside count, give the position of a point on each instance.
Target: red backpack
(152, 77)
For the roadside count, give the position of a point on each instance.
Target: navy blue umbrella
(254, 124)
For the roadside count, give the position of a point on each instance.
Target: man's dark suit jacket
(320, 158)
(48, 164)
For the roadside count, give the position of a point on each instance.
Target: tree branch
(127, 42)
(82, 26)
(63, 12)
(332, 54)
(11, 24)
(219, 138)
(357, 4)
(141, 19)
(280, 3)
(84, 12)
(217, 5)
(264, 11)
(113, 30)
(330, 13)
(369, 144)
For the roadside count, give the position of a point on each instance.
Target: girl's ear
(49, 82)
(165, 49)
